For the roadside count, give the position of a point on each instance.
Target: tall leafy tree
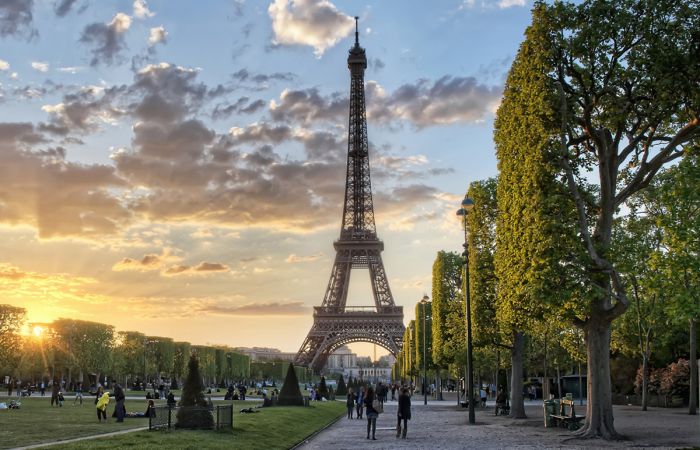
(532, 258)
(447, 309)
(481, 225)
(674, 202)
(626, 73)
(12, 319)
(637, 248)
(424, 330)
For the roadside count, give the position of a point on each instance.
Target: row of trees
(590, 233)
(74, 350)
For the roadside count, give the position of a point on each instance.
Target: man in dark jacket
(120, 409)
(403, 413)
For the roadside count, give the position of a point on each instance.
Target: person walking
(54, 392)
(360, 402)
(350, 403)
(9, 387)
(78, 393)
(120, 409)
(403, 413)
(42, 388)
(372, 412)
(102, 407)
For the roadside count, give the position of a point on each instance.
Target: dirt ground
(443, 425)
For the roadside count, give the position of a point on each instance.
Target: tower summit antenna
(357, 34)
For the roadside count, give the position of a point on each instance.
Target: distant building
(344, 361)
(266, 354)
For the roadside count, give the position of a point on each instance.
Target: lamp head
(467, 204)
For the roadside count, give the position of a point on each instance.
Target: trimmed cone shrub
(290, 395)
(323, 389)
(342, 389)
(194, 410)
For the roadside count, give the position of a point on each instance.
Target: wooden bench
(567, 419)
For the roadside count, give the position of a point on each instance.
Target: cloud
(141, 9)
(293, 259)
(490, 4)
(316, 23)
(446, 101)
(202, 268)
(40, 66)
(85, 109)
(57, 197)
(260, 81)
(157, 35)
(16, 18)
(258, 309)
(4, 65)
(509, 3)
(21, 287)
(72, 69)
(241, 106)
(307, 106)
(107, 40)
(424, 103)
(63, 7)
(147, 263)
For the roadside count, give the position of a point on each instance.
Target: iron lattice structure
(358, 247)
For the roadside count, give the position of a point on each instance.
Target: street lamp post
(467, 205)
(423, 302)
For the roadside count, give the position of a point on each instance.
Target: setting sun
(37, 330)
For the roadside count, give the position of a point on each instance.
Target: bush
(194, 409)
(290, 394)
(342, 389)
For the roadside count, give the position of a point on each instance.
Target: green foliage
(481, 226)
(290, 395)
(342, 388)
(421, 311)
(448, 313)
(534, 232)
(193, 411)
(84, 345)
(11, 321)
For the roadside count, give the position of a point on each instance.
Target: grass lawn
(271, 428)
(280, 427)
(36, 421)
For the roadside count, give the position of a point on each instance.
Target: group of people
(371, 402)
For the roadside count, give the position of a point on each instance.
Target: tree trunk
(558, 382)
(645, 375)
(517, 405)
(693, 401)
(599, 412)
(545, 380)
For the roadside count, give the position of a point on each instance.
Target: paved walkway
(443, 425)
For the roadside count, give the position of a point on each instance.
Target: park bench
(567, 417)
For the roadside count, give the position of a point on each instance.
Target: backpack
(377, 406)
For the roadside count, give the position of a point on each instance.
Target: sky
(178, 168)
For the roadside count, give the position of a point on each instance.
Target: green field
(271, 428)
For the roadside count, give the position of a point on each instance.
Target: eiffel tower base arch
(334, 327)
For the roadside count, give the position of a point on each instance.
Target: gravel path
(443, 425)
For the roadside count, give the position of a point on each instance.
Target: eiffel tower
(358, 247)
